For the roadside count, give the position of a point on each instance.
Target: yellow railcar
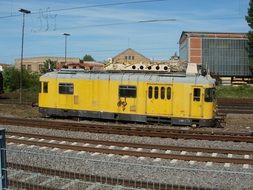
(129, 96)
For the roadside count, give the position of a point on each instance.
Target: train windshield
(209, 94)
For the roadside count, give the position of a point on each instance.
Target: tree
(249, 20)
(49, 65)
(88, 58)
(11, 81)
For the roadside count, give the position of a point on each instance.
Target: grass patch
(243, 91)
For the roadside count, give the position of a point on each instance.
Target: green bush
(11, 80)
(243, 91)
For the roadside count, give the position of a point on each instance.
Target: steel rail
(130, 131)
(132, 145)
(135, 153)
(232, 105)
(65, 125)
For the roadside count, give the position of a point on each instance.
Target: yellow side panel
(49, 99)
(180, 99)
(157, 101)
(103, 96)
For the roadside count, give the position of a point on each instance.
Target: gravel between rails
(134, 168)
(133, 139)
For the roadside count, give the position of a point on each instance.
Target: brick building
(224, 54)
(130, 56)
(35, 64)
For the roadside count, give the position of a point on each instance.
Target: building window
(156, 92)
(127, 91)
(132, 57)
(226, 57)
(196, 94)
(45, 87)
(23, 67)
(125, 57)
(41, 67)
(129, 57)
(29, 67)
(162, 93)
(66, 88)
(168, 93)
(150, 92)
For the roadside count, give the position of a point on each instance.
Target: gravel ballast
(178, 173)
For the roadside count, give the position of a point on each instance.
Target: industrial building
(223, 54)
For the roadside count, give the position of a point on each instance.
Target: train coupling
(220, 120)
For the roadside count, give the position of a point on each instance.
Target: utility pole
(66, 35)
(24, 11)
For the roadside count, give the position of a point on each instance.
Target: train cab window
(162, 92)
(156, 92)
(127, 91)
(196, 94)
(209, 94)
(168, 93)
(45, 87)
(150, 92)
(66, 88)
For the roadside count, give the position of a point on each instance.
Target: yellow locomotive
(129, 96)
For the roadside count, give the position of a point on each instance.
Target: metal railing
(29, 167)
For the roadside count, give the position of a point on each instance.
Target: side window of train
(45, 87)
(196, 94)
(209, 94)
(162, 92)
(127, 91)
(168, 93)
(150, 92)
(156, 92)
(66, 88)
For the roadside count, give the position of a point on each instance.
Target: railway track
(90, 178)
(237, 106)
(192, 154)
(130, 131)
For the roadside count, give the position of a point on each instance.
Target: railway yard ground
(67, 159)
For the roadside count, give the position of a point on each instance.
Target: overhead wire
(88, 6)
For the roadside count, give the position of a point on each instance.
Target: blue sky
(105, 31)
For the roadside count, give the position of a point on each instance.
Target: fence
(27, 97)
(31, 167)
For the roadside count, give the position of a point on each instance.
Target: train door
(196, 102)
(159, 100)
(127, 99)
